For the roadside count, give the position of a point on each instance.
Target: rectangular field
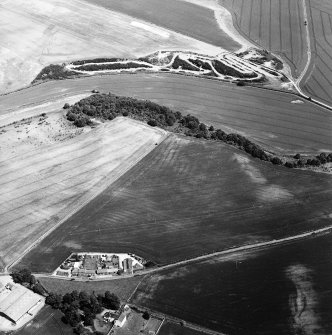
(45, 182)
(188, 198)
(276, 291)
(123, 288)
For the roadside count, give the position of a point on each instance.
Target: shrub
(152, 123)
(125, 113)
(276, 161)
(66, 106)
(54, 72)
(146, 315)
(240, 83)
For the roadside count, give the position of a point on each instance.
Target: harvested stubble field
(182, 17)
(48, 172)
(123, 288)
(36, 33)
(266, 117)
(286, 286)
(187, 198)
(276, 25)
(318, 82)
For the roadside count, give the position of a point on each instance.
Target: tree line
(109, 106)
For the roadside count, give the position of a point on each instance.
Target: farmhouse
(16, 301)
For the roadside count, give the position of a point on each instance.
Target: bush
(276, 161)
(240, 83)
(146, 315)
(125, 113)
(55, 72)
(184, 65)
(66, 106)
(152, 123)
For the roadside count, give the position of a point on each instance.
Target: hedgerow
(109, 106)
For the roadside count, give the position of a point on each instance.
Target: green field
(179, 16)
(187, 198)
(266, 117)
(123, 288)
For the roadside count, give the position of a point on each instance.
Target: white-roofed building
(17, 301)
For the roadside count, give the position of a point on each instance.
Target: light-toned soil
(35, 33)
(49, 169)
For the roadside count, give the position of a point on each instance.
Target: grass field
(318, 82)
(34, 34)
(283, 290)
(123, 288)
(267, 117)
(183, 17)
(47, 322)
(187, 198)
(44, 180)
(276, 25)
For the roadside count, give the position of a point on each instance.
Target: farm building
(121, 320)
(16, 301)
(127, 265)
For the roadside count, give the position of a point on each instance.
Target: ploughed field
(180, 16)
(190, 197)
(266, 117)
(47, 175)
(276, 25)
(283, 290)
(318, 83)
